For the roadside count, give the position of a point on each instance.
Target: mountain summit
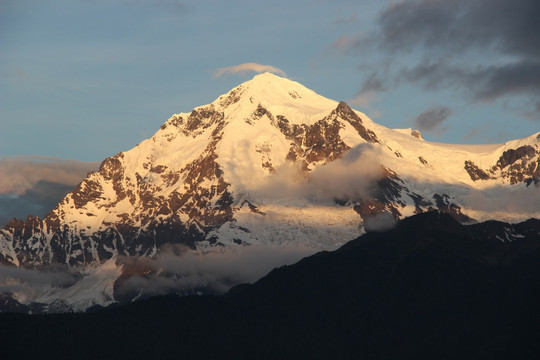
(272, 162)
(280, 95)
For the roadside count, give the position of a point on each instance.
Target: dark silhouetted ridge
(430, 288)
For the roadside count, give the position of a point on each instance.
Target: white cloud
(18, 174)
(516, 199)
(364, 99)
(35, 184)
(178, 269)
(349, 178)
(248, 67)
(28, 284)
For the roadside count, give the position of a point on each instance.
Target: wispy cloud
(176, 269)
(369, 90)
(349, 178)
(179, 270)
(432, 119)
(451, 29)
(483, 83)
(515, 200)
(487, 51)
(21, 173)
(344, 43)
(248, 67)
(507, 26)
(35, 184)
(364, 98)
(13, 279)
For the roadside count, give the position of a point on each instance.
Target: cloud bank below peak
(245, 68)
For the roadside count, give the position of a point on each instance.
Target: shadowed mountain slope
(430, 288)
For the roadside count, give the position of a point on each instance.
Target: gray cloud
(37, 201)
(407, 24)
(21, 173)
(368, 92)
(433, 75)
(34, 185)
(30, 283)
(432, 119)
(373, 83)
(345, 43)
(181, 270)
(482, 83)
(514, 78)
(380, 222)
(486, 28)
(501, 199)
(488, 50)
(176, 269)
(508, 26)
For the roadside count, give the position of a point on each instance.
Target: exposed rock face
(475, 172)
(388, 197)
(417, 134)
(423, 161)
(514, 165)
(345, 112)
(518, 165)
(445, 205)
(315, 143)
(509, 157)
(321, 142)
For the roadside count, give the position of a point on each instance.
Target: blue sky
(85, 79)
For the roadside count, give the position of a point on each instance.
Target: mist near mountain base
(176, 269)
(28, 284)
(181, 270)
(380, 222)
(518, 199)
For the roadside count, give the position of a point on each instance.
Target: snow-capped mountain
(271, 162)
